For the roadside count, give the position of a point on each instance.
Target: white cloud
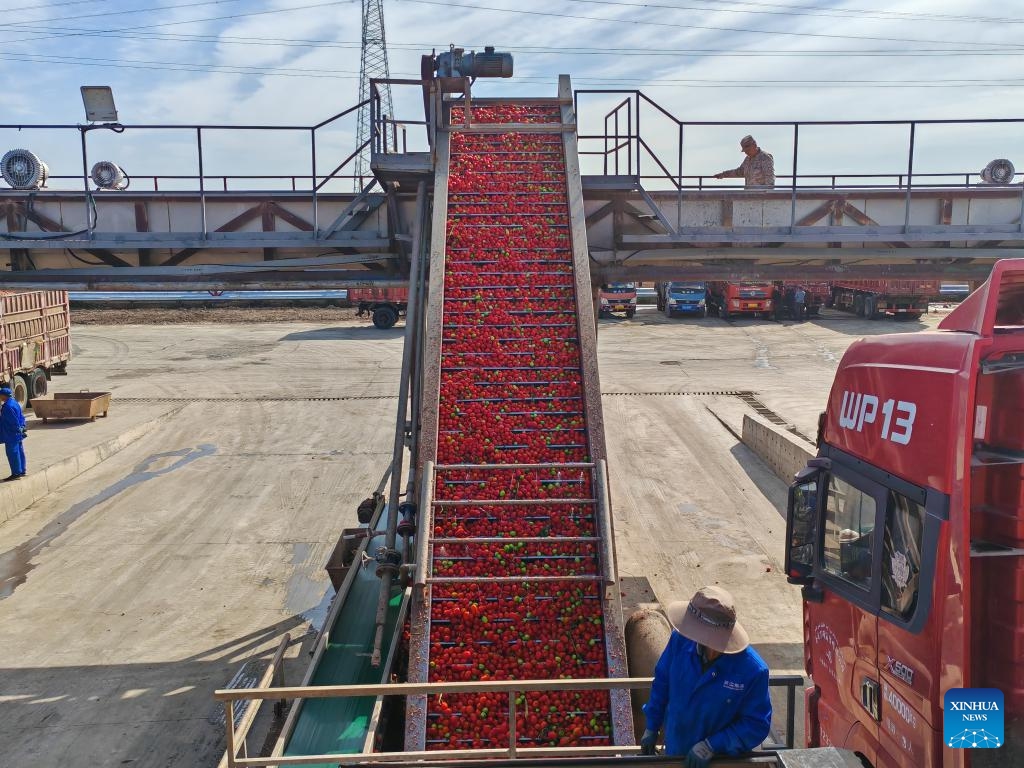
(46, 91)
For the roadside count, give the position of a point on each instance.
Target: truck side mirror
(802, 525)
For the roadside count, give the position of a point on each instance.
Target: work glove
(699, 755)
(647, 742)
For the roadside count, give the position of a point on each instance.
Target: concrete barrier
(783, 451)
(18, 496)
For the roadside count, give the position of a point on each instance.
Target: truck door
(911, 694)
(843, 629)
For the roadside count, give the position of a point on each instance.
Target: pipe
(426, 523)
(604, 522)
(399, 445)
(417, 319)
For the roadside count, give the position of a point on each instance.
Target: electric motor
(457, 63)
(22, 169)
(999, 171)
(108, 175)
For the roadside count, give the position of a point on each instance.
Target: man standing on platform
(757, 169)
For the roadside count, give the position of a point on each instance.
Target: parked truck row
(796, 300)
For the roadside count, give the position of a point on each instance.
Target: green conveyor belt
(339, 726)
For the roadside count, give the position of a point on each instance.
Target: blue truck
(685, 297)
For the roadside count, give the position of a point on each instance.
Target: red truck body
(817, 294)
(35, 340)
(747, 298)
(384, 305)
(879, 298)
(907, 532)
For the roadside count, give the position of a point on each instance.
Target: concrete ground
(132, 591)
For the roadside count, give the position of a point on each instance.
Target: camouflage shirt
(756, 171)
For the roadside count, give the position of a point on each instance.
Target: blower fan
(23, 169)
(999, 171)
(108, 175)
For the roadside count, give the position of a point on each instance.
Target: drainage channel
(763, 410)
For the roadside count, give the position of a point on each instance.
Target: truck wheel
(19, 386)
(723, 312)
(37, 384)
(630, 312)
(668, 312)
(384, 317)
(870, 310)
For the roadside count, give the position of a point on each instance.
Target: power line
(52, 5)
(140, 33)
(225, 69)
(775, 9)
(896, 15)
(120, 12)
(657, 82)
(663, 24)
(95, 32)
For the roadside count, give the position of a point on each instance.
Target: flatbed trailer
(875, 299)
(35, 341)
(384, 305)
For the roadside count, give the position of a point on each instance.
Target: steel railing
(235, 737)
(388, 135)
(625, 147)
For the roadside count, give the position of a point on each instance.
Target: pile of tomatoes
(512, 393)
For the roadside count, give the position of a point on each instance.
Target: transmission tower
(374, 65)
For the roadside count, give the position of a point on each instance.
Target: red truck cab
(747, 298)
(617, 297)
(907, 534)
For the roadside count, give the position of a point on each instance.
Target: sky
(296, 62)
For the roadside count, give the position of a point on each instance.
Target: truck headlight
(604, 301)
(768, 304)
(700, 303)
(736, 303)
(671, 302)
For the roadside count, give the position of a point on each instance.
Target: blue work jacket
(11, 422)
(728, 705)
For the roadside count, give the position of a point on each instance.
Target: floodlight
(99, 104)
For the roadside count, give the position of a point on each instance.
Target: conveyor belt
(519, 583)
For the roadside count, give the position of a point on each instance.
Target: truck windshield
(686, 287)
(619, 288)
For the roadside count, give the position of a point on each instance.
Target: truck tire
(19, 386)
(723, 312)
(384, 317)
(630, 312)
(870, 309)
(37, 384)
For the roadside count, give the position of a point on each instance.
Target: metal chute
(23, 169)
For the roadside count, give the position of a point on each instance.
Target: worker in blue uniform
(12, 433)
(710, 690)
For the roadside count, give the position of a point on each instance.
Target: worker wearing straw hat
(710, 688)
